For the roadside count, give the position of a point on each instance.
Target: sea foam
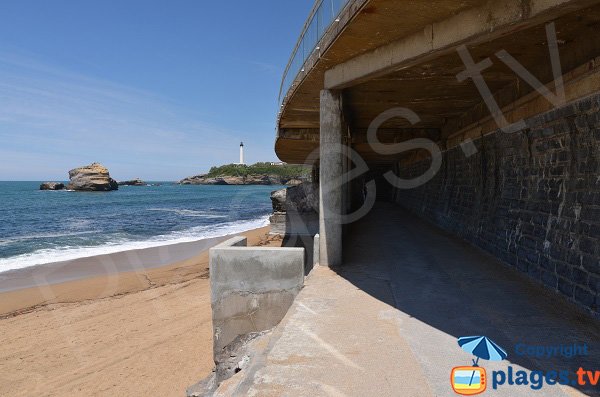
(46, 256)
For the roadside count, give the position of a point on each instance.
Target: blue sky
(153, 89)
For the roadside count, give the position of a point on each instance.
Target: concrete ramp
(335, 341)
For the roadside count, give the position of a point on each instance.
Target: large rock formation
(93, 178)
(278, 200)
(204, 179)
(302, 198)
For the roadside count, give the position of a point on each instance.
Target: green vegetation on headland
(282, 170)
(255, 174)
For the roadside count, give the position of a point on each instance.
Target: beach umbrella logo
(470, 380)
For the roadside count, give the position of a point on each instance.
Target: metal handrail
(322, 15)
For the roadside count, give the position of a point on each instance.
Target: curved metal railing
(322, 15)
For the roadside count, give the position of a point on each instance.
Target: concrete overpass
(482, 117)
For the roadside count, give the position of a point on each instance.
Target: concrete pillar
(316, 250)
(330, 179)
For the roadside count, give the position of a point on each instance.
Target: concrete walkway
(387, 323)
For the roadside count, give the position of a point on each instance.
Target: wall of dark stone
(531, 198)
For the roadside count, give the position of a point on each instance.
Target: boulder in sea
(52, 186)
(133, 182)
(92, 178)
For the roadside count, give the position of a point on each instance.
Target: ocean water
(39, 227)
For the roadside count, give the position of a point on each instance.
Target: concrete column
(330, 179)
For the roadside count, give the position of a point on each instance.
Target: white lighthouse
(242, 153)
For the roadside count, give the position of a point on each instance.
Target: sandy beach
(140, 328)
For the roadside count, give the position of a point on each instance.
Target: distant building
(278, 163)
(241, 153)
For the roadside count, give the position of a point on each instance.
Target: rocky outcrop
(52, 186)
(204, 179)
(91, 178)
(133, 182)
(295, 210)
(302, 198)
(263, 180)
(293, 182)
(278, 200)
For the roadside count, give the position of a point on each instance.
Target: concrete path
(387, 323)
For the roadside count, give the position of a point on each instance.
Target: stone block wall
(531, 198)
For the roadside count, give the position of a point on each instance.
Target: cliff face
(94, 178)
(233, 180)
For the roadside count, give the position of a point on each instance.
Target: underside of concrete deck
(387, 322)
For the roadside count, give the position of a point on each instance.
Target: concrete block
(238, 241)
(251, 288)
(278, 223)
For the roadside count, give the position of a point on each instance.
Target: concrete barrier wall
(252, 288)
